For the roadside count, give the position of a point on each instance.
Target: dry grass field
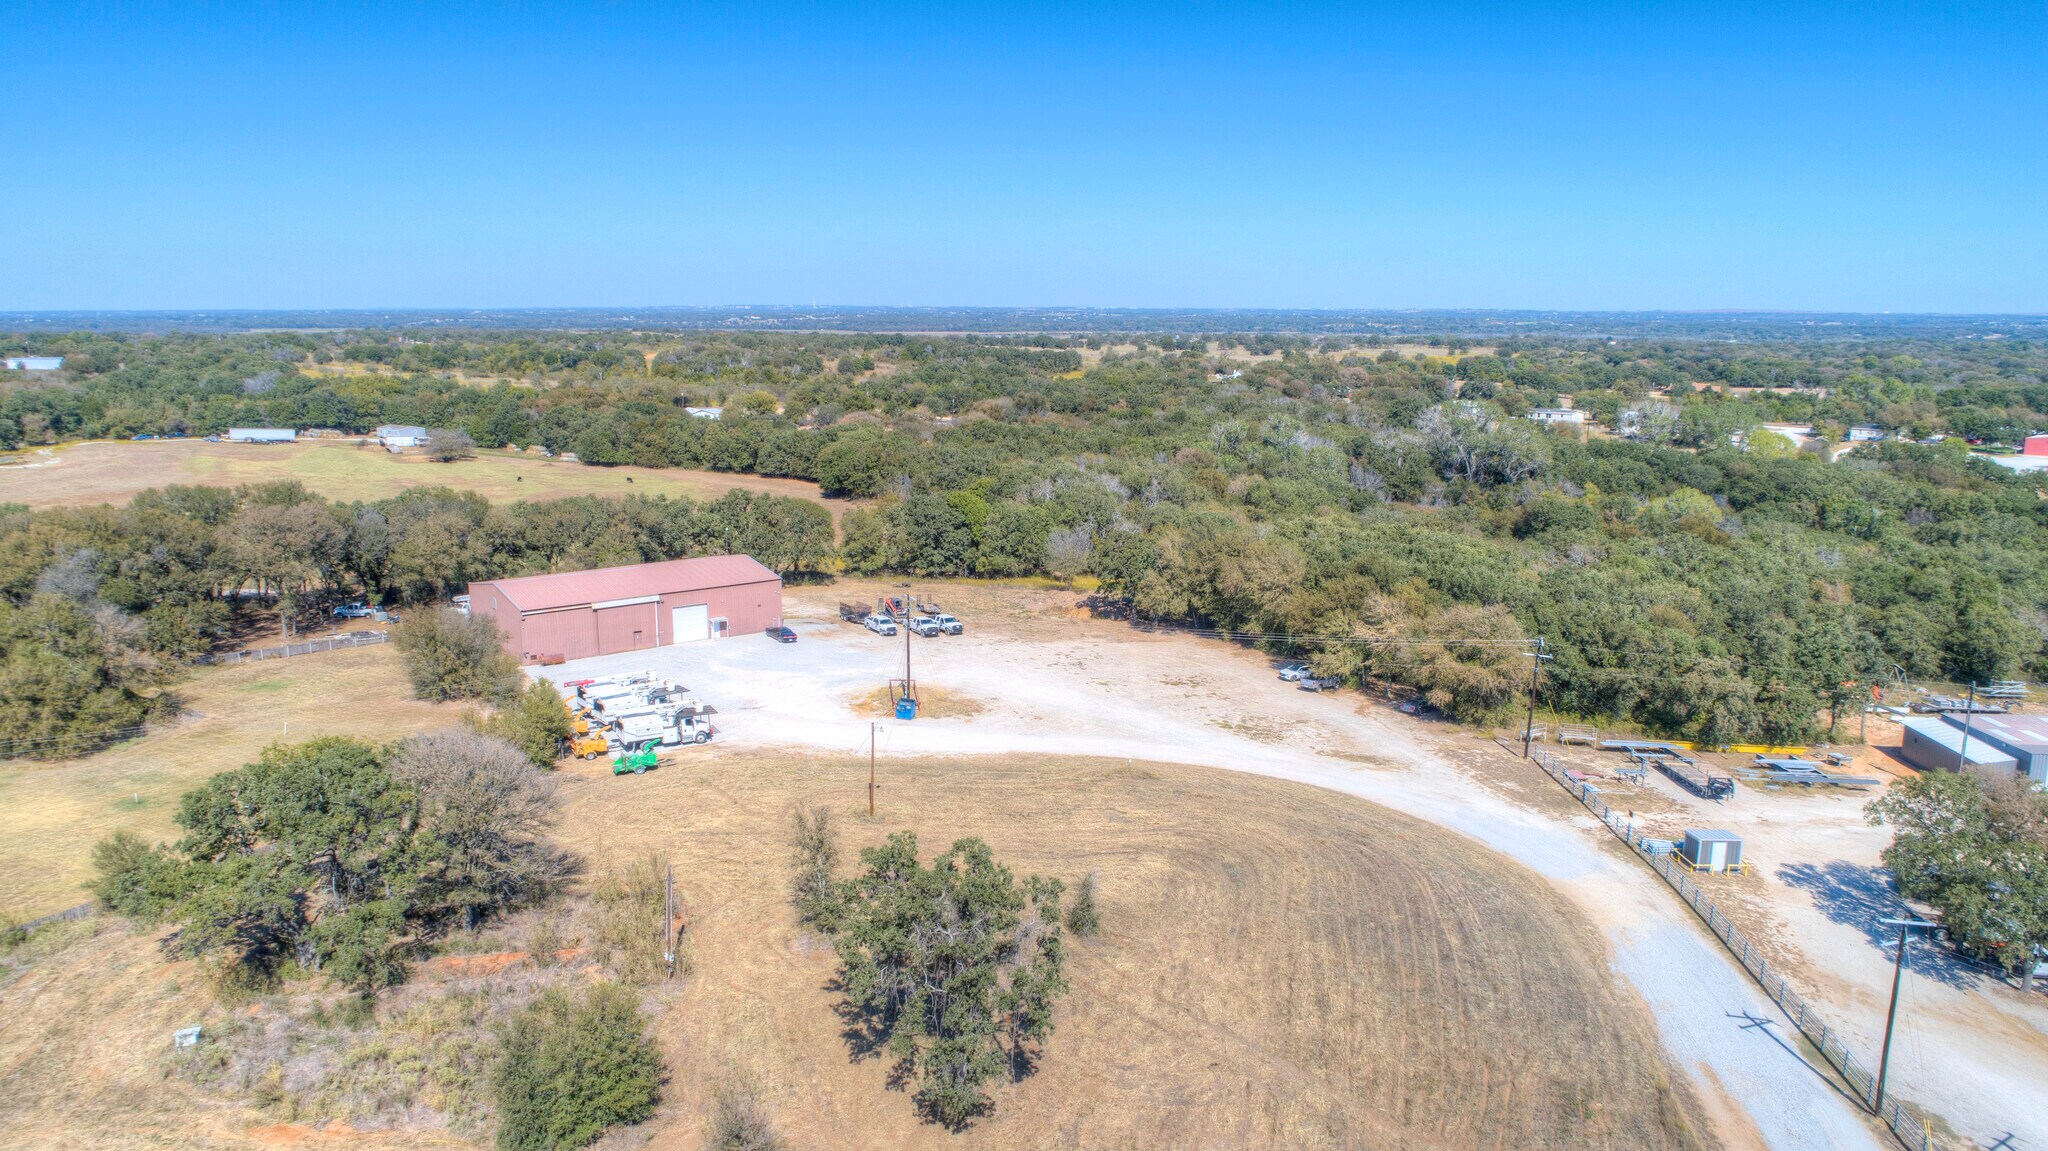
(52, 813)
(77, 475)
(1280, 967)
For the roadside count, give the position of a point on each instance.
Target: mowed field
(1281, 966)
(96, 472)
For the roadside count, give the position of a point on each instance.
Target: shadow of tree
(1857, 896)
(865, 1031)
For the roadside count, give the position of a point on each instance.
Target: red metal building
(586, 613)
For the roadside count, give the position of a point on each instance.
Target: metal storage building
(1936, 745)
(2023, 737)
(1712, 850)
(607, 610)
(401, 435)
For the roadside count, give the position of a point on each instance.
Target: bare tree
(485, 800)
(450, 444)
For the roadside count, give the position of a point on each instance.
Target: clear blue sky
(1871, 156)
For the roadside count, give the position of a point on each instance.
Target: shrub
(816, 854)
(738, 1122)
(537, 724)
(1082, 918)
(449, 655)
(135, 879)
(627, 932)
(573, 1069)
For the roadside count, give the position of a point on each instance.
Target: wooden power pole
(1536, 659)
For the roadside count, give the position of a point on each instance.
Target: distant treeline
(1383, 512)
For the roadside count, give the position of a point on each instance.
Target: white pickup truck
(879, 624)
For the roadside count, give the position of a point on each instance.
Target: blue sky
(1870, 156)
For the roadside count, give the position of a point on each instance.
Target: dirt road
(1057, 684)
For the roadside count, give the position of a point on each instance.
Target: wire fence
(64, 916)
(328, 643)
(1912, 1129)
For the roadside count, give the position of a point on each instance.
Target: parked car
(781, 634)
(948, 624)
(1320, 683)
(879, 624)
(924, 625)
(1294, 671)
(353, 611)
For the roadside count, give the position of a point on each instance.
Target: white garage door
(693, 622)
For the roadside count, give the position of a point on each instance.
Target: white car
(880, 624)
(1293, 672)
(948, 624)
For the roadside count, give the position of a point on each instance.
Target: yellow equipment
(587, 746)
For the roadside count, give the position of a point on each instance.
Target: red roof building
(573, 615)
(2035, 446)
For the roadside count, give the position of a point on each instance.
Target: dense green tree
(1977, 851)
(450, 655)
(572, 1068)
(955, 967)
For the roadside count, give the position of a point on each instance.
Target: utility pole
(872, 727)
(1884, 1059)
(1969, 716)
(1536, 659)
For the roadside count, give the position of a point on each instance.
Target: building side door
(690, 623)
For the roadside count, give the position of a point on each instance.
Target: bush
(816, 854)
(627, 934)
(449, 655)
(738, 1122)
(1082, 918)
(573, 1069)
(135, 879)
(537, 724)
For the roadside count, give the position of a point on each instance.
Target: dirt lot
(77, 475)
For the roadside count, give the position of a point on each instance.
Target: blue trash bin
(906, 708)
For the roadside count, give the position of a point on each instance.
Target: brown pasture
(101, 471)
